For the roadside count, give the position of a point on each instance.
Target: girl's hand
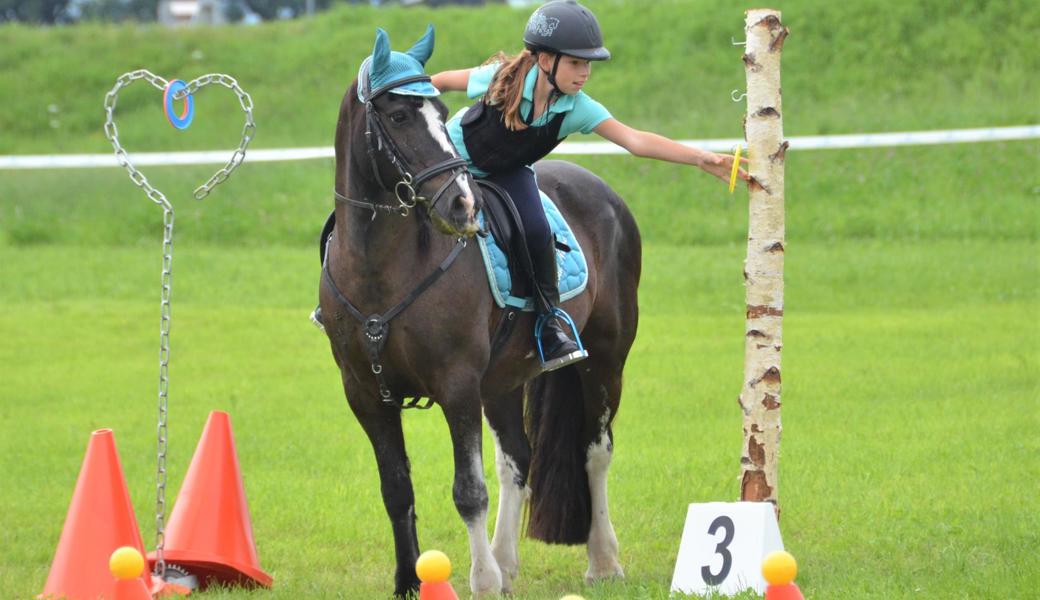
(721, 165)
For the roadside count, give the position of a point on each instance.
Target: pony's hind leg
(505, 417)
(601, 388)
(462, 412)
(382, 424)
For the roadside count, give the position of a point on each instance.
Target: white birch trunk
(764, 267)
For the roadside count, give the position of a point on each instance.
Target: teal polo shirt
(583, 114)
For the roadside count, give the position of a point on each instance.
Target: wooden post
(764, 267)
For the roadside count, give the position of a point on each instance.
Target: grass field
(908, 466)
(911, 392)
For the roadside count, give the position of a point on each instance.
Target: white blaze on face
(438, 133)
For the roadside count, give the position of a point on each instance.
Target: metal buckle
(375, 328)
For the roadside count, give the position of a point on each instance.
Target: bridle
(375, 328)
(378, 140)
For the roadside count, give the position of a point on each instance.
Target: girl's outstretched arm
(652, 145)
(451, 81)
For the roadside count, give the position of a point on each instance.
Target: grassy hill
(870, 65)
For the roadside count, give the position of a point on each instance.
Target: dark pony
(409, 315)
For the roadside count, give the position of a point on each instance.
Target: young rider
(528, 104)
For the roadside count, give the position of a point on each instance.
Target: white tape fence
(811, 142)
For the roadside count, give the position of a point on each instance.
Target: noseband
(406, 189)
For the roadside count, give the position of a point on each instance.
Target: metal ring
(184, 120)
(377, 369)
(410, 202)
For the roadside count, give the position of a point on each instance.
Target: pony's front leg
(382, 424)
(462, 411)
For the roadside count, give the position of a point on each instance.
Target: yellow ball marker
(572, 597)
(126, 563)
(779, 568)
(736, 169)
(433, 566)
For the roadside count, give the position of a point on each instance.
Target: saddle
(506, 256)
(506, 260)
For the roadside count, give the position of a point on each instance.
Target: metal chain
(112, 133)
(164, 391)
(248, 130)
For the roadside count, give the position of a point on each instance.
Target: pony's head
(409, 152)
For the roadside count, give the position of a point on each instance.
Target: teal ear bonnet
(385, 66)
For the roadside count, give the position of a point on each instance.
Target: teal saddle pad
(572, 269)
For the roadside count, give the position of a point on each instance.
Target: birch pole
(764, 267)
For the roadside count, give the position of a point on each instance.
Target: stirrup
(561, 361)
(316, 319)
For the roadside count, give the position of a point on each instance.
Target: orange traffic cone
(437, 591)
(100, 519)
(434, 568)
(130, 589)
(209, 532)
(787, 591)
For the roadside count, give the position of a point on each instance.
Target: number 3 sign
(722, 548)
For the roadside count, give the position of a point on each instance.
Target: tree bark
(764, 267)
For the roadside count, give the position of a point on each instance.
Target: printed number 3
(722, 548)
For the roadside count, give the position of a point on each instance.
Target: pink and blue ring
(187, 114)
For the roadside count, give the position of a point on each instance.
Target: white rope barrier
(812, 142)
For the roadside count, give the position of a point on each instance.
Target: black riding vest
(494, 148)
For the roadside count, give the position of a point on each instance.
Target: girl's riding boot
(557, 348)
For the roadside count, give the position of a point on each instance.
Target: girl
(528, 104)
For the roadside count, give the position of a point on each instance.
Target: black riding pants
(522, 188)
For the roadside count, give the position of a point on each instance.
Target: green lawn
(910, 395)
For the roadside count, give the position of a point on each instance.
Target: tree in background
(47, 12)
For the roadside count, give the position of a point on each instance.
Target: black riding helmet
(565, 27)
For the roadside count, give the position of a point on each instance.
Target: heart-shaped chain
(112, 132)
(171, 92)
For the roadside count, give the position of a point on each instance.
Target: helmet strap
(555, 93)
(551, 75)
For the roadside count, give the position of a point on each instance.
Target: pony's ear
(423, 49)
(380, 56)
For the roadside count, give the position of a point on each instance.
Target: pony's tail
(560, 508)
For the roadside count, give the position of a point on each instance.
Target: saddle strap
(375, 329)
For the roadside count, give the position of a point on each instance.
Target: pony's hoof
(605, 571)
(509, 566)
(486, 583)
